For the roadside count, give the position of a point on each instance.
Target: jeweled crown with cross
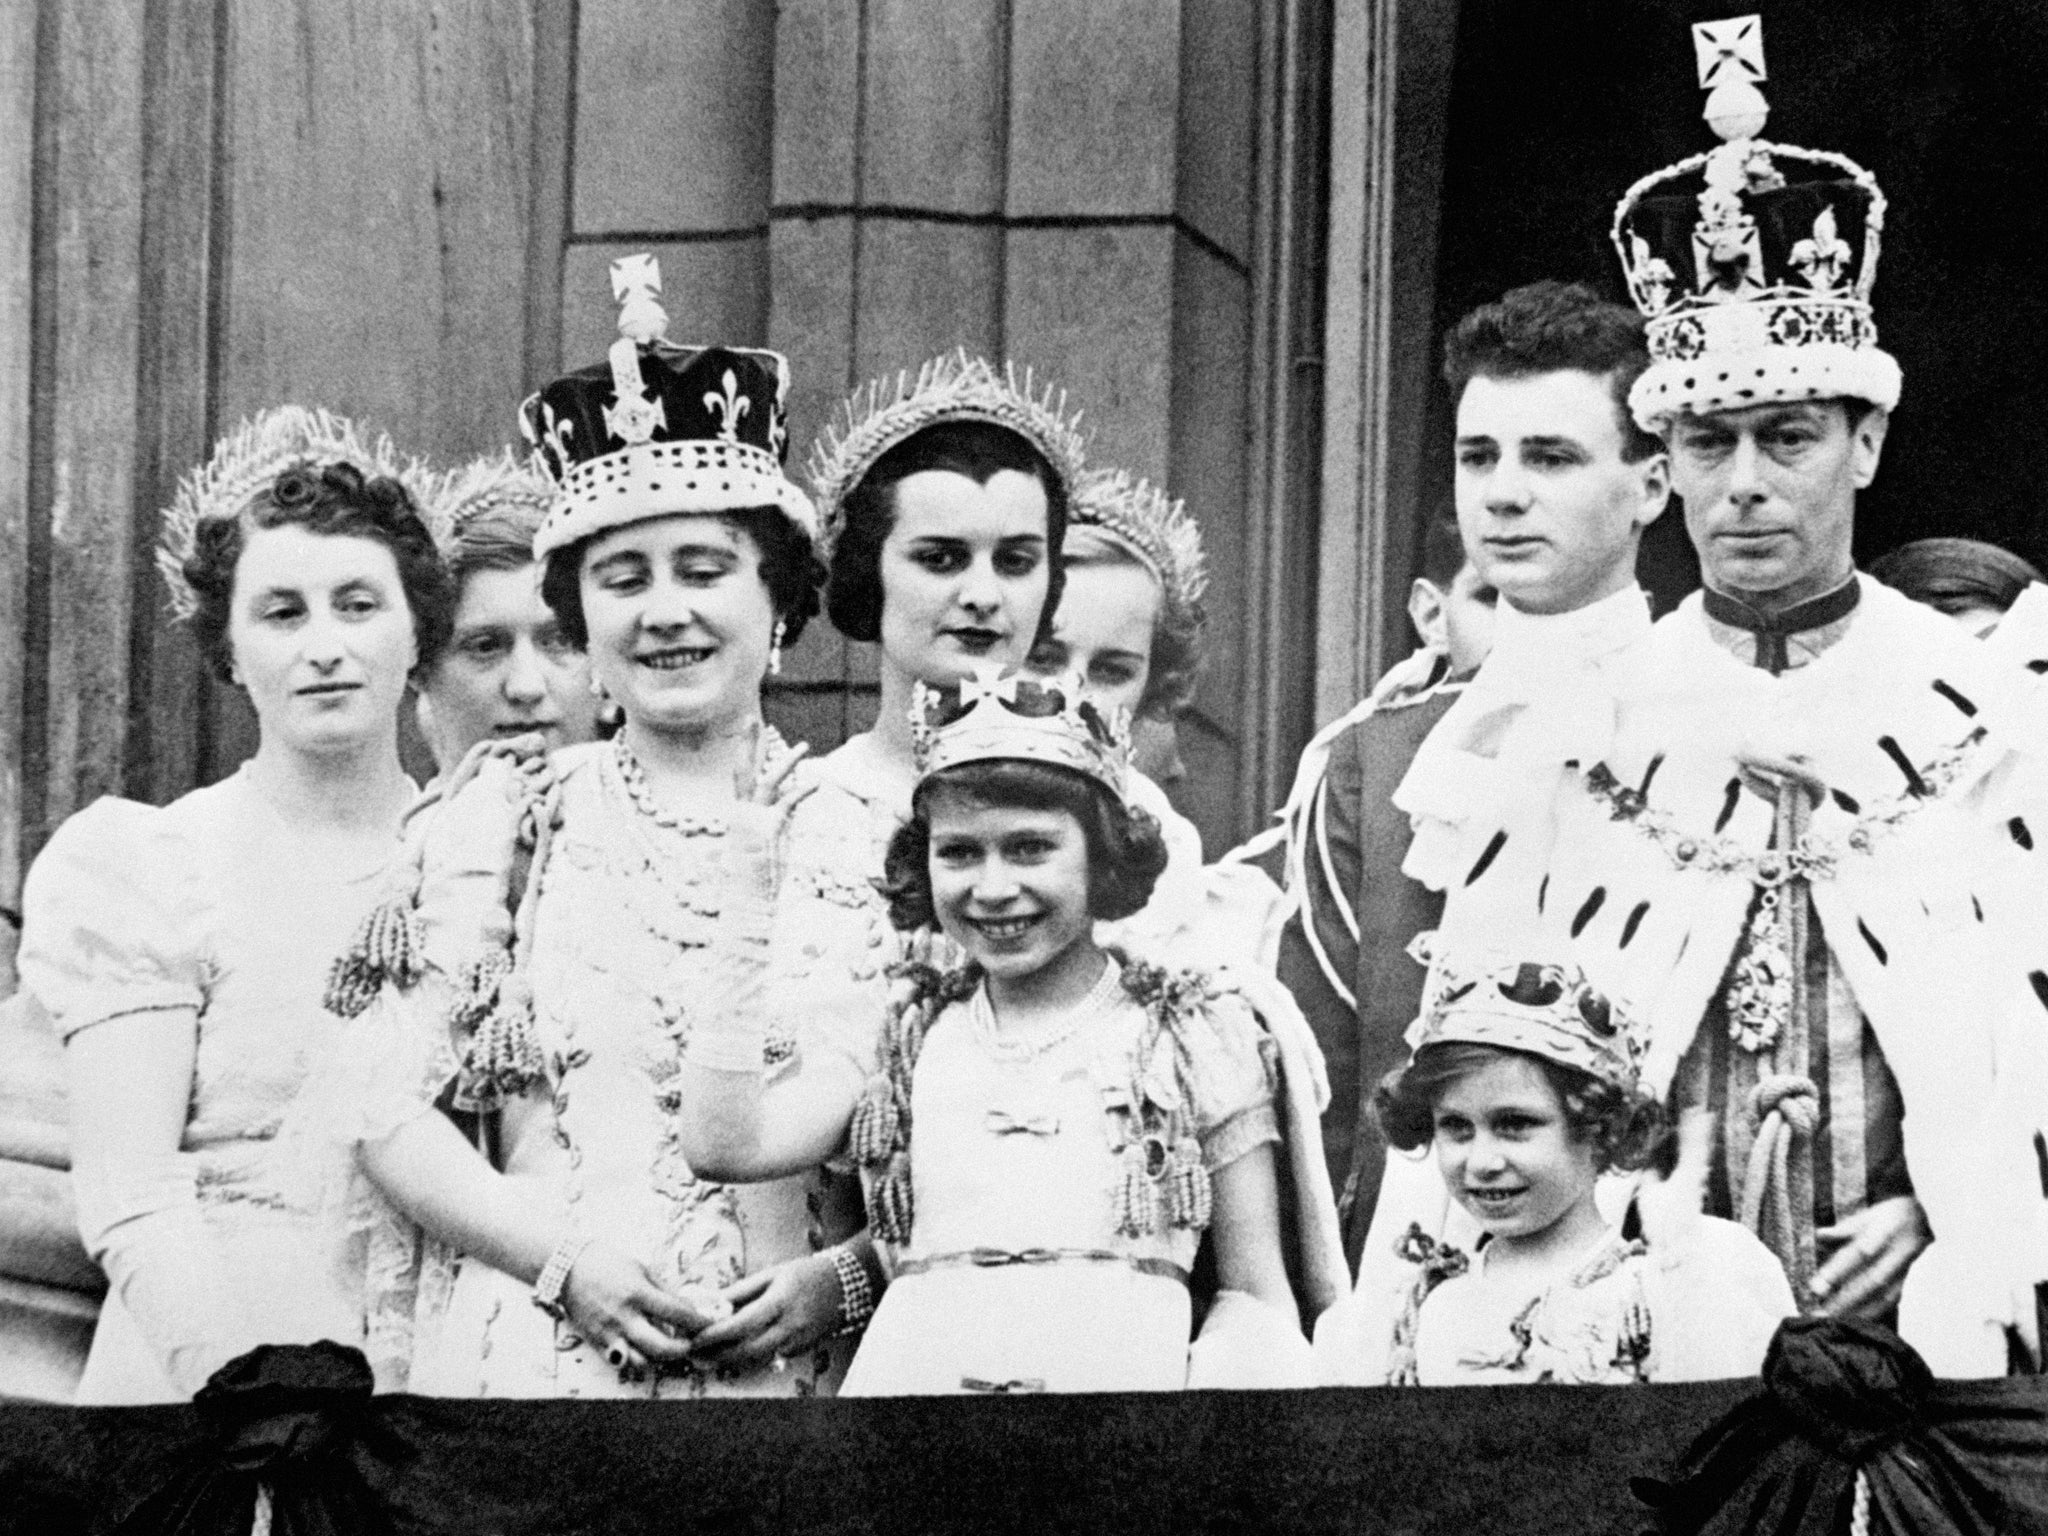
(658, 428)
(1010, 715)
(1753, 262)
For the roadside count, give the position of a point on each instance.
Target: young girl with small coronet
(1051, 1128)
(1524, 1085)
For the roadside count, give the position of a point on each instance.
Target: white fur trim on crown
(659, 479)
(1765, 375)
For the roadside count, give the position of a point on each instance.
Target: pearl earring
(775, 650)
(596, 687)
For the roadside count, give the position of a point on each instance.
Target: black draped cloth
(300, 1423)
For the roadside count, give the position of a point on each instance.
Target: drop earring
(775, 650)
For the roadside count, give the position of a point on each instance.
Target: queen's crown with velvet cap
(1012, 715)
(1753, 262)
(657, 429)
(1545, 1009)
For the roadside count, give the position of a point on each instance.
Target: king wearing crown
(1787, 840)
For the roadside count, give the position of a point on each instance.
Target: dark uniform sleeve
(1322, 984)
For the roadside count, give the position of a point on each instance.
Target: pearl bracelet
(856, 1290)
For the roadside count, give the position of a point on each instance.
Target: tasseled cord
(879, 1136)
(1165, 1182)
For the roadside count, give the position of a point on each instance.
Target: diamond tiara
(955, 387)
(246, 461)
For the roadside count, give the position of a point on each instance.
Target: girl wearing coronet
(563, 937)
(1053, 1125)
(1524, 1087)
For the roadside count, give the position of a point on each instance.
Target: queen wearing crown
(568, 923)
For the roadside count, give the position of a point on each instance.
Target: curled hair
(1126, 849)
(1954, 575)
(1626, 1127)
(789, 569)
(1552, 327)
(333, 500)
(976, 449)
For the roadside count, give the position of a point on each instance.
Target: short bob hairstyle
(976, 449)
(334, 500)
(789, 569)
(1126, 849)
(1627, 1128)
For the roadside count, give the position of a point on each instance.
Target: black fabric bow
(288, 1417)
(1846, 1397)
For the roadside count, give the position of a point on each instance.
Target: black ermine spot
(1730, 798)
(2038, 666)
(1493, 847)
(1588, 909)
(1954, 697)
(1847, 802)
(1877, 949)
(2039, 982)
(2021, 834)
(1977, 907)
(1542, 893)
(1635, 921)
(1915, 785)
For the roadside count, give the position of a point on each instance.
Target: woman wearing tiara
(945, 504)
(508, 670)
(562, 938)
(182, 951)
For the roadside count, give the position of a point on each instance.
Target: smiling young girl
(1051, 1127)
(1524, 1086)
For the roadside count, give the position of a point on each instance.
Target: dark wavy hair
(976, 449)
(1551, 327)
(334, 500)
(1627, 1129)
(789, 569)
(1126, 849)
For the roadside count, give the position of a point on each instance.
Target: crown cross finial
(636, 286)
(1731, 64)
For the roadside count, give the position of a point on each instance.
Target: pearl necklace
(1009, 1048)
(634, 777)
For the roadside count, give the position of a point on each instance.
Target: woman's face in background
(964, 572)
(508, 671)
(1103, 630)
